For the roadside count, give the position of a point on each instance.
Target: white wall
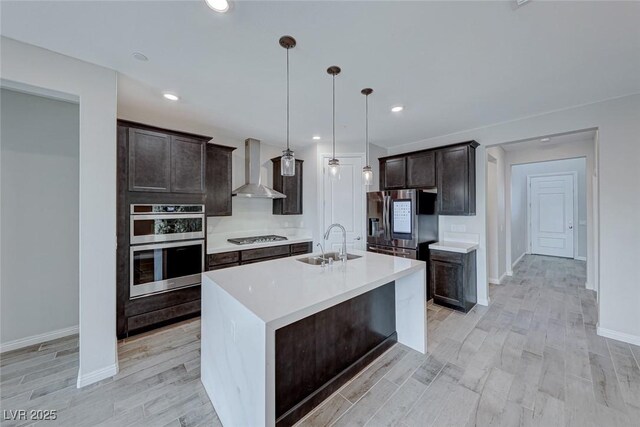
(492, 221)
(535, 152)
(95, 88)
(500, 252)
(520, 232)
(39, 219)
(618, 124)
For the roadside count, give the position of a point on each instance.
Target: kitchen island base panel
(238, 347)
(314, 353)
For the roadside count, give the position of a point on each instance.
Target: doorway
(551, 200)
(40, 219)
(343, 202)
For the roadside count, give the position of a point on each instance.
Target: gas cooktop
(257, 239)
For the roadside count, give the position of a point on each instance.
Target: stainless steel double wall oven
(167, 248)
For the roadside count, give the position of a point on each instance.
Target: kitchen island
(279, 337)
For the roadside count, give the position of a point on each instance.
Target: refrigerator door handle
(387, 222)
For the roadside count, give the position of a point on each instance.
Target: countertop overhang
(452, 246)
(283, 291)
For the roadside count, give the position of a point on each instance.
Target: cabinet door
(395, 173)
(187, 165)
(453, 181)
(447, 279)
(218, 182)
(421, 170)
(290, 186)
(149, 161)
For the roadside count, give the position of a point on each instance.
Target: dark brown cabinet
(218, 180)
(456, 166)
(250, 256)
(421, 170)
(165, 161)
(149, 161)
(393, 173)
(187, 165)
(451, 169)
(453, 277)
(157, 165)
(290, 186)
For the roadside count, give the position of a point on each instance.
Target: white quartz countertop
(216, 246)
(282, 291)
(452, 246)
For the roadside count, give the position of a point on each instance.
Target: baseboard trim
(484, 302)
(516, 262)
(589, 286)
(97, 375)
(497, 281)
(38, 339)
(620, 336)
(580, 258)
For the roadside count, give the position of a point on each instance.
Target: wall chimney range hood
(253, 187)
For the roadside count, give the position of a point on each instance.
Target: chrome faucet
(343, 250)
(321, 250)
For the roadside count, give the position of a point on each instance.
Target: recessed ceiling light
(140, 56)
(316, 137)
(218, 5)
(545, 139)
(397, 108)
(170, 96)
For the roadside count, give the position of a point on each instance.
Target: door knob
(357, 238)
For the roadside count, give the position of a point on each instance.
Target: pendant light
(367, 172)
(287, 161)
(334, 164)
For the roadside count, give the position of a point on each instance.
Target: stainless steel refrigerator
(402, 223)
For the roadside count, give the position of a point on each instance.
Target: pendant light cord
(366, 130)
(334, 116)
(287, 99)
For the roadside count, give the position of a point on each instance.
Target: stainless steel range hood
(253, 187)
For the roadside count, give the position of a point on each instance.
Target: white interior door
(344, 203)
(551, 215)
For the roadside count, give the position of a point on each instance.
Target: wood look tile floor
(532, 358)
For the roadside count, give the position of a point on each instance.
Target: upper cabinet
(456, 166)
(218, 200)
(290, 186)
(187, 165)
(165, 161)
(149, 161)
(421, 170)
(393, 173)
(451, 170)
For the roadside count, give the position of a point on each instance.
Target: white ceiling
(453, 65)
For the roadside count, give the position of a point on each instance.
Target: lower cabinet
(250, 256)
(453, 277)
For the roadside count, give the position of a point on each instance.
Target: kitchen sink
(318, 259)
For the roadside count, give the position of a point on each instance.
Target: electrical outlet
(458, 228)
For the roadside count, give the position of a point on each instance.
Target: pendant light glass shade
(334, 169)
(287, 161)
(334, 164)
(367, 172)
(367, 175)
